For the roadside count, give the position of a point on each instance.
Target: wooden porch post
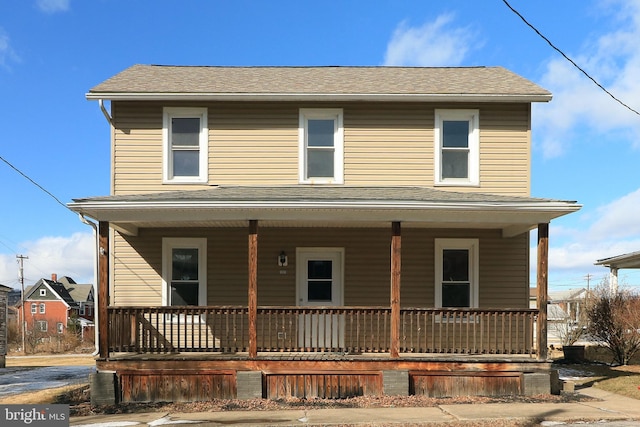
(103, 289)
(542, 285)
(253, 288)
(396, 251)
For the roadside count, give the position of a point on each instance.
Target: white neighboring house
(615, 263)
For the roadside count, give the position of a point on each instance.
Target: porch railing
(320, 329)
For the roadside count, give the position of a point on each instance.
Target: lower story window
(184, 271)
(42, 325)
(456, 269)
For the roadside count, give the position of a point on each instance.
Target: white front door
(319, 279)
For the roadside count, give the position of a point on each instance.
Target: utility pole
(588, 277)
(21, 259)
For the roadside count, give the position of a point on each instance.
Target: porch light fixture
(283, 261)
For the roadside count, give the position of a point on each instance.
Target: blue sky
(586, 147)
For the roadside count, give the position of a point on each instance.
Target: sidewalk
(609, 407)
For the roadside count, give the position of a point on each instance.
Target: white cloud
(436, 43)
(613, 60)
(614, 230)
(71, 256)
(53, 6)
(7, 54)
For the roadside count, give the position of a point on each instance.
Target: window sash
(184, 271)
(321, 143)
(457, 146)
(185, 140)
(456, 273)
(43, 325)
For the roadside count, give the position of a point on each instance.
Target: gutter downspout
(95, 284)
(105, 112)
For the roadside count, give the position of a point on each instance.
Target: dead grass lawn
(50, 360)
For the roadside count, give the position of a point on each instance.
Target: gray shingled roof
(302, 193)
(140, 80)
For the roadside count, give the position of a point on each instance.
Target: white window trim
(167, 165)
(169, 243)
(474, 147)
(474, 266)
(34, 308)
(43, 292)
(43, 308)
(338, 158)
(60, 327)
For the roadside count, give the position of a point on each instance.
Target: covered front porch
(422, 346)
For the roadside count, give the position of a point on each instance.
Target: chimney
(54, 277)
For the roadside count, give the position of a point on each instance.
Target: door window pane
(319, 284)
(319, 291)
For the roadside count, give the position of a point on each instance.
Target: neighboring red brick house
(49, 306)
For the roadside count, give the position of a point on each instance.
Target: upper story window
(457, 273)
(43, 292)
(185, 141)
(321, 141)
(42, 308)
(457, 147)
(34, 308)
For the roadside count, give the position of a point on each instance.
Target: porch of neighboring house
(191, 353)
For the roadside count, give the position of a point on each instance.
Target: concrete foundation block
(103, 388)
(249, 385)
(556, 383)
(3, 361)
(395, 383)
(568, 386)
(537, 383)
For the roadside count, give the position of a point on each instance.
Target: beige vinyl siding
(253, 145)
(384, 144)
(503, 265)
(389, 145)
(504, 149)
(137, 148)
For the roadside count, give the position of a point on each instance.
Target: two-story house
(319, 231)
(48, 306)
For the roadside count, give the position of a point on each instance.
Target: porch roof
(317, 206)
(630, 260)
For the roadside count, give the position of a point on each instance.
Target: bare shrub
(614, 319)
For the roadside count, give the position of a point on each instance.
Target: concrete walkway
(610, 407)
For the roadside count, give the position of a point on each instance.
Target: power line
(34, 182)
(569, 59)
